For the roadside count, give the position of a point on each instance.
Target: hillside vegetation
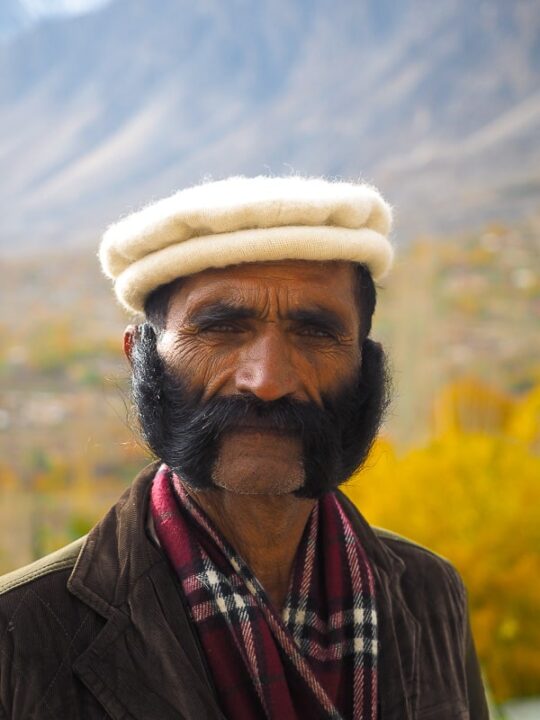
(456, 468)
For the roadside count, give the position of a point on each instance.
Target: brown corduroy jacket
(99, 629)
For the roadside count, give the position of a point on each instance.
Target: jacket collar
(116, 553)
(124, 576)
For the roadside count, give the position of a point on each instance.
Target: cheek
(201, 363)
(326, 369)
(213, 366)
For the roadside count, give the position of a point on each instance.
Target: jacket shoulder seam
(385, 534)
(55, 562)
(444, 563)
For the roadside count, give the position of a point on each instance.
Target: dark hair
(365, 295)
(156, 305)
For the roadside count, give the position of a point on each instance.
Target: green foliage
(79, 525)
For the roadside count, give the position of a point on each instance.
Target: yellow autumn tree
(472, 494)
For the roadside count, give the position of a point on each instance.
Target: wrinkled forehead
(295, 282)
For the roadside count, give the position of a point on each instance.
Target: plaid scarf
(316, 659)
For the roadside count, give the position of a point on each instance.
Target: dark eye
(222, 327)
(315, 332)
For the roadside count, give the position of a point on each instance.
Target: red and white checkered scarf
(318, 658)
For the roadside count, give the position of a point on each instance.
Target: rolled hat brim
(241, 220)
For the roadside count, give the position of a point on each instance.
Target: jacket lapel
(398, 658)
(138, 668)
(398, 629)
(146, 663)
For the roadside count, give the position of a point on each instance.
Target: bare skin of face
(271, 330)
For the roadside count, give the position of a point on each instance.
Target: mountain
(436, 103)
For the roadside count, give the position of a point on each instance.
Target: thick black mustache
(185, 431)
(188, 435)
(235, 412)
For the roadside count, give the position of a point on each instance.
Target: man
(233, 580)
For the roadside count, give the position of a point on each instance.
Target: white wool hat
(240, 220)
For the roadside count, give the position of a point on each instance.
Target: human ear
(130, 337)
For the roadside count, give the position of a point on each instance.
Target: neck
(265, 530)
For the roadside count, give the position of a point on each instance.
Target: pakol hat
(242, 220)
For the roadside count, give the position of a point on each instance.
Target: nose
(265, 369)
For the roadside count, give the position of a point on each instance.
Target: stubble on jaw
(259, 463)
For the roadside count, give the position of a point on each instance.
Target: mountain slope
(438, 103)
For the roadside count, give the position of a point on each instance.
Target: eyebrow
(220, 311)
(320, 317)
(226, 311)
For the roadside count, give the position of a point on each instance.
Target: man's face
(271, 331)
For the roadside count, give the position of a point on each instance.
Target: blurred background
(108, 104)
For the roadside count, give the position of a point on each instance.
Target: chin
(259, 463)
(276, 478)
